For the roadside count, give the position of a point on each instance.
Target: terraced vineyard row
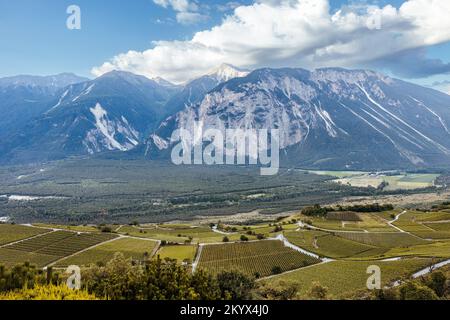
(11, 233)
(50, 247)
(425, 225)
(385, 240)
(39, 243)
(10, 258)
(178, 233)
(329, 245)
(342, 278)
(263, 258)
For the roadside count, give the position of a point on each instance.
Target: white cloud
(187, 11)
(177, 5)
(190, 17)
(228, 6)
(293, 33)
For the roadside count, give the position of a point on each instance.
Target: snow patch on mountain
(60, 100)
(436, 144)
(330, 125)
(227, 72)
(444, 125)
(405, 153)
(107, 133)
(84, 92)
(160, 143)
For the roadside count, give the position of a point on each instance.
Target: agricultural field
(433, 217)
(343, 216)
(338, 174)
(425, 225)
(444, 226)
(384, 240)
(261, 258)
(49, 247)
(129, 247)
(344, 278)
(353, 241)
(368, 222)
(179, 234)
(68, 227)
(389, 215)
(399, 181)
(11, 233)
(433, 235)
(181, 253)
(152, 233)
(10, 258)
(267, 230)
(438, 249)
(331, 246)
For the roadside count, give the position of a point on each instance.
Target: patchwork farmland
(334, 250)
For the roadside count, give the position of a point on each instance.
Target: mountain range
(328, 118)
(26, 97)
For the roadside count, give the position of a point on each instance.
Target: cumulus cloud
(301, 33)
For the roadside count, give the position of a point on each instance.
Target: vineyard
(386, 240)
(352, 246)
(372, 222)
(342, 278)
(178, 233)
(130, 248)
(261, 258)
(444, 226)
(179, 253)
(68, 228)
(331, 246)
(425, 225)
(50, 247)
(10, 258)
(343, 216)
(440, 249)
(11, 233)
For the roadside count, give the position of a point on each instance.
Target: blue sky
(34, 39)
